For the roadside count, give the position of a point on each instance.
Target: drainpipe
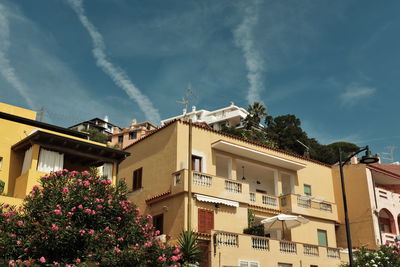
(189, 218)
(376, 208)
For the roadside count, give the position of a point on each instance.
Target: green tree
(284, 131)
(79, 218)
(386, 256)
(257, 113)
(97, 136)
(189, 246)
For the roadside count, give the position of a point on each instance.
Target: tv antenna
(189, 95)
(389, 155)
(41, 113)
(307, 152)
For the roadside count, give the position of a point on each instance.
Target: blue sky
(334, 64)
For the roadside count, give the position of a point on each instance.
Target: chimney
(106, 118)
(133, 122)
(184, 111)
(232, 104)
(354, 160)
(193, 108)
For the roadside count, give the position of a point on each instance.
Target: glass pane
(307, 190)
(322, 238)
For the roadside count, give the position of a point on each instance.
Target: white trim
(258, 155)
(203, 157)
(216, 200)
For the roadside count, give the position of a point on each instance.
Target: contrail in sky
(6, 70)
(244, 38)
(116, 74)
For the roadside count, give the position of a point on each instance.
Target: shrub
(386, 256)
(80, 219)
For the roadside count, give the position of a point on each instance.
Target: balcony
(264, 200)
(229, 244)
(386, 198)
(211, 185)
(308, 206)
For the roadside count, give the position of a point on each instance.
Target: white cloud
(6, 69)
(245, 39)
(119, 76)
(355, 92)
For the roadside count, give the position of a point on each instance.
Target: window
(137, 179)
(322, 238)
(196, 163)
(120, 139)
(307, 189)
(158, 222)
(246, 263)
(284, 265)
(205, 220)
(132, 135)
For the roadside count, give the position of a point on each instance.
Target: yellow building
(211, 181)
(373, 196)
(30, 148)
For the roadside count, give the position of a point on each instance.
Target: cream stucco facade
(229, 177)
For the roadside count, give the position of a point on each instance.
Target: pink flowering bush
(79, 219)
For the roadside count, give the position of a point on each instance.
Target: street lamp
(366, 159)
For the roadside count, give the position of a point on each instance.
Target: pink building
(126, 136)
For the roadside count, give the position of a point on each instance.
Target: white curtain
(106, 170)
(50, 161)
(27, 161)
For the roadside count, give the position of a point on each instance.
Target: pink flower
(82, 232)
(84, 173)
(119, 219)
(27, 263)
(93, 212)
(42, 259)
(176, 251)
(162, 258)
(36, 187)
(59, 172)
(148, 244)
(67, 265)
(55, 262)
(54, 227)
(86, 183)
(99, 206)
(78, 260)
(175, 258)
(88, 211)
(20, 223)
(91, 231)
(103, 181)
(11, 263)
(19, 243)
(80, 207)
(26, 249)
(70, 213)
(117, 250)
(57, 212)
(121, 239)
(65, 190)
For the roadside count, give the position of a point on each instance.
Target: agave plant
(190, 248)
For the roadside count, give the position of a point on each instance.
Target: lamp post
(367, 159)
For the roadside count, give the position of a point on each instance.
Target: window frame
(156, 217)
(130, 135)
(326, 237)
(207, 225)
(120, 139)
(194, 158)
(304, 189)
(137, 179)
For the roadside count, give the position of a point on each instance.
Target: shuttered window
(196, 163)
(205, 220)
(137, 179)
(248, 263)
(322, 238)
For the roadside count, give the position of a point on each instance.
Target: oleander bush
(80, 219)
(388, 255)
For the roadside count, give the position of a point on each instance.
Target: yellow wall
(11, 133)
(157, 156)
(358, 204)
(17, 111)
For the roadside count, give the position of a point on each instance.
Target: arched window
(386, 222)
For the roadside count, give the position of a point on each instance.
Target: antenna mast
(41, 113)
(389, 156)
(189, 95)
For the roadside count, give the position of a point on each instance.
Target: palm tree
(257, 111)
(189, 247)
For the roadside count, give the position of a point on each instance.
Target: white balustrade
(333, 253)
(269, 201)
(227, 239)
(233, 186)
(202, 179)
(310, 250)
(260, 243)
(287, 247)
